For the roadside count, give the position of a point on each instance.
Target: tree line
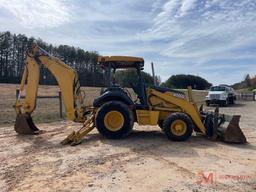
(126, 77)
(13, 50)
(182, 81)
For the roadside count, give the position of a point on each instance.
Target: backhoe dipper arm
(67, 80)
(29, 82)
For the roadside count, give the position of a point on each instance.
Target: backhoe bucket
(25, 125)
(229, 131)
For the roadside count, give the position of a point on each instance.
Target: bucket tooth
(25, 125)
(232, 132)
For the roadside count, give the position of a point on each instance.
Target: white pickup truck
(222, 95)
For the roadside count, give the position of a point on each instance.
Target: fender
(112, 96)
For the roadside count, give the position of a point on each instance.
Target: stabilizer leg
(75, 137)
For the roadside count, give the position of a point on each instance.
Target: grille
(214, 96)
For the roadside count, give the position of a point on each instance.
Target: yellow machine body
(163, 104)
(115, 117)
(147, 117)
(166, 103)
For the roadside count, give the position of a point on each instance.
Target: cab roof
(121, 61)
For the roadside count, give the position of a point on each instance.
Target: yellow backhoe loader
(114, 112)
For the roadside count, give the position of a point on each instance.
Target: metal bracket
(75, 137)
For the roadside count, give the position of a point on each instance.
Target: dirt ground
(145, 161)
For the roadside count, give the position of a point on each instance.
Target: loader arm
(67, 80)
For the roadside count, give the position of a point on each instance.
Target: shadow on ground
(139, 141)
(154, 140)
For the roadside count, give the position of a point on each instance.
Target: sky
(215, 39)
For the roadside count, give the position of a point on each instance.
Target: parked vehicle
(222, 95)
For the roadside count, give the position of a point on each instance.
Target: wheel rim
(178, 127)
(114, 120)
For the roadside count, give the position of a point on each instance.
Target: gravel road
(145, 161)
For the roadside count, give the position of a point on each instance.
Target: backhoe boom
(67, 80)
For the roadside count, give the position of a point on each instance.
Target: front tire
(178, 127)
(114, 120)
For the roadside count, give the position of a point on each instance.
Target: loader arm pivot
(67, 80)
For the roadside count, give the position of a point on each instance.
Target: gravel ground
(145, 161)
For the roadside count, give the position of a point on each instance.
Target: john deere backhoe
(114, 112)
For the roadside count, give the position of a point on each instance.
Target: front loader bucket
(25, 125)
(222, 127)
(230, 131)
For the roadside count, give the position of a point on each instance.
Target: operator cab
(112, 63)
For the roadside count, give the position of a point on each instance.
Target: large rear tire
(114, 120)
(178, 127)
